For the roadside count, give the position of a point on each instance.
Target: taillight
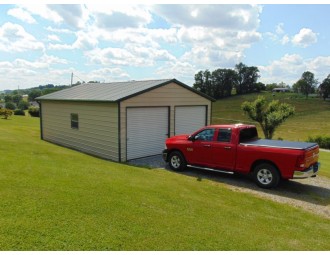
(301, 161)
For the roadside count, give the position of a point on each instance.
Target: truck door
(223, 150)
(201, 147)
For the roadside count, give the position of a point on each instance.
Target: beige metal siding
(170, 95)
(98, 127)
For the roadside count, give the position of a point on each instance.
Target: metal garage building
(121, 121)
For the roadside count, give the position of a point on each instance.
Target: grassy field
(53, 198)
(312, 115)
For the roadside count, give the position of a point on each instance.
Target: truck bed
(279, 144)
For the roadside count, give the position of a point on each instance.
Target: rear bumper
(309, 172)
(165, 154)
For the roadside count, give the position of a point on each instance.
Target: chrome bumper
(309, 172)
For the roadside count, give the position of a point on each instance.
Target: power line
(77, 77)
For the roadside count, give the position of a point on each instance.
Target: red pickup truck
(237, 148)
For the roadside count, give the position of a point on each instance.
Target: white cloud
(280, 29)
(120, 16)
(85, 41)
(108, 74)
(130, 55)
(288, 69)
(53, 38)
(58, 46)
(204, 57)
(221, 16)
(32, 73)
(21, 15)
(14, 38)
(5, 64)
(50, 60)
(59, 30)
(291, 66)
(304, 38)
(285, 39)
(43, 11)
(44, 62)
(73, 15)
(172, 69)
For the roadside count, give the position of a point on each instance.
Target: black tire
(266, 176)
(177, 161)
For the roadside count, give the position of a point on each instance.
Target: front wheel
(266, 176)
(177, 161)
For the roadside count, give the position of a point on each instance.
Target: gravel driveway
(312, 194)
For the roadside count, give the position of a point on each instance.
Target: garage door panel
(147, 129)
(189, 119)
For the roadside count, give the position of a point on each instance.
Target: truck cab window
(248, 134)
(205, 135)
(224, 135)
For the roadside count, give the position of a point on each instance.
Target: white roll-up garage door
(147, 129)
(188, 119)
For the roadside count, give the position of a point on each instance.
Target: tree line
(220, 82)
(243, 79)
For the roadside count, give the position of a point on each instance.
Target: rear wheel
(177, 161)
(266, 176)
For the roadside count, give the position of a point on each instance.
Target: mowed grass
(311, 117)
(54, 198)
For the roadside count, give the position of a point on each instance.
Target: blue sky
(44, 44)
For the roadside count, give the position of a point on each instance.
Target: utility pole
(71, 78)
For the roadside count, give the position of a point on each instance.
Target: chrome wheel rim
(175, 161)
(265, 176)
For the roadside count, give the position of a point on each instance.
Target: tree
(10, 106)
(8, 98)
(203, 82)
(306, 84)
(34, 94)
(23, 105)
(325, 87)
(17, 98)
(247, 78)
(269, 115)
(223, 81)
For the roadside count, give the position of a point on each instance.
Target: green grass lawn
(54, 198)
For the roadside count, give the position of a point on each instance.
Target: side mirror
(192, 138)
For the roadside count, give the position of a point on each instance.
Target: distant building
(281, 90)
(25, 98)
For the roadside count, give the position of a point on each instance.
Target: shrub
(6, 113)
(322, 140)
(34, 111)
(19, 112)
(10, 106)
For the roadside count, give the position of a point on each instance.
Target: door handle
(207, 145)
(227, 147)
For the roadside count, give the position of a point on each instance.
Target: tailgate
(311, 156)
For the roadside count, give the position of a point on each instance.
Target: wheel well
(262, 161)
(173, 150)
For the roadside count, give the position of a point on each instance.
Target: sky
(45, 44)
